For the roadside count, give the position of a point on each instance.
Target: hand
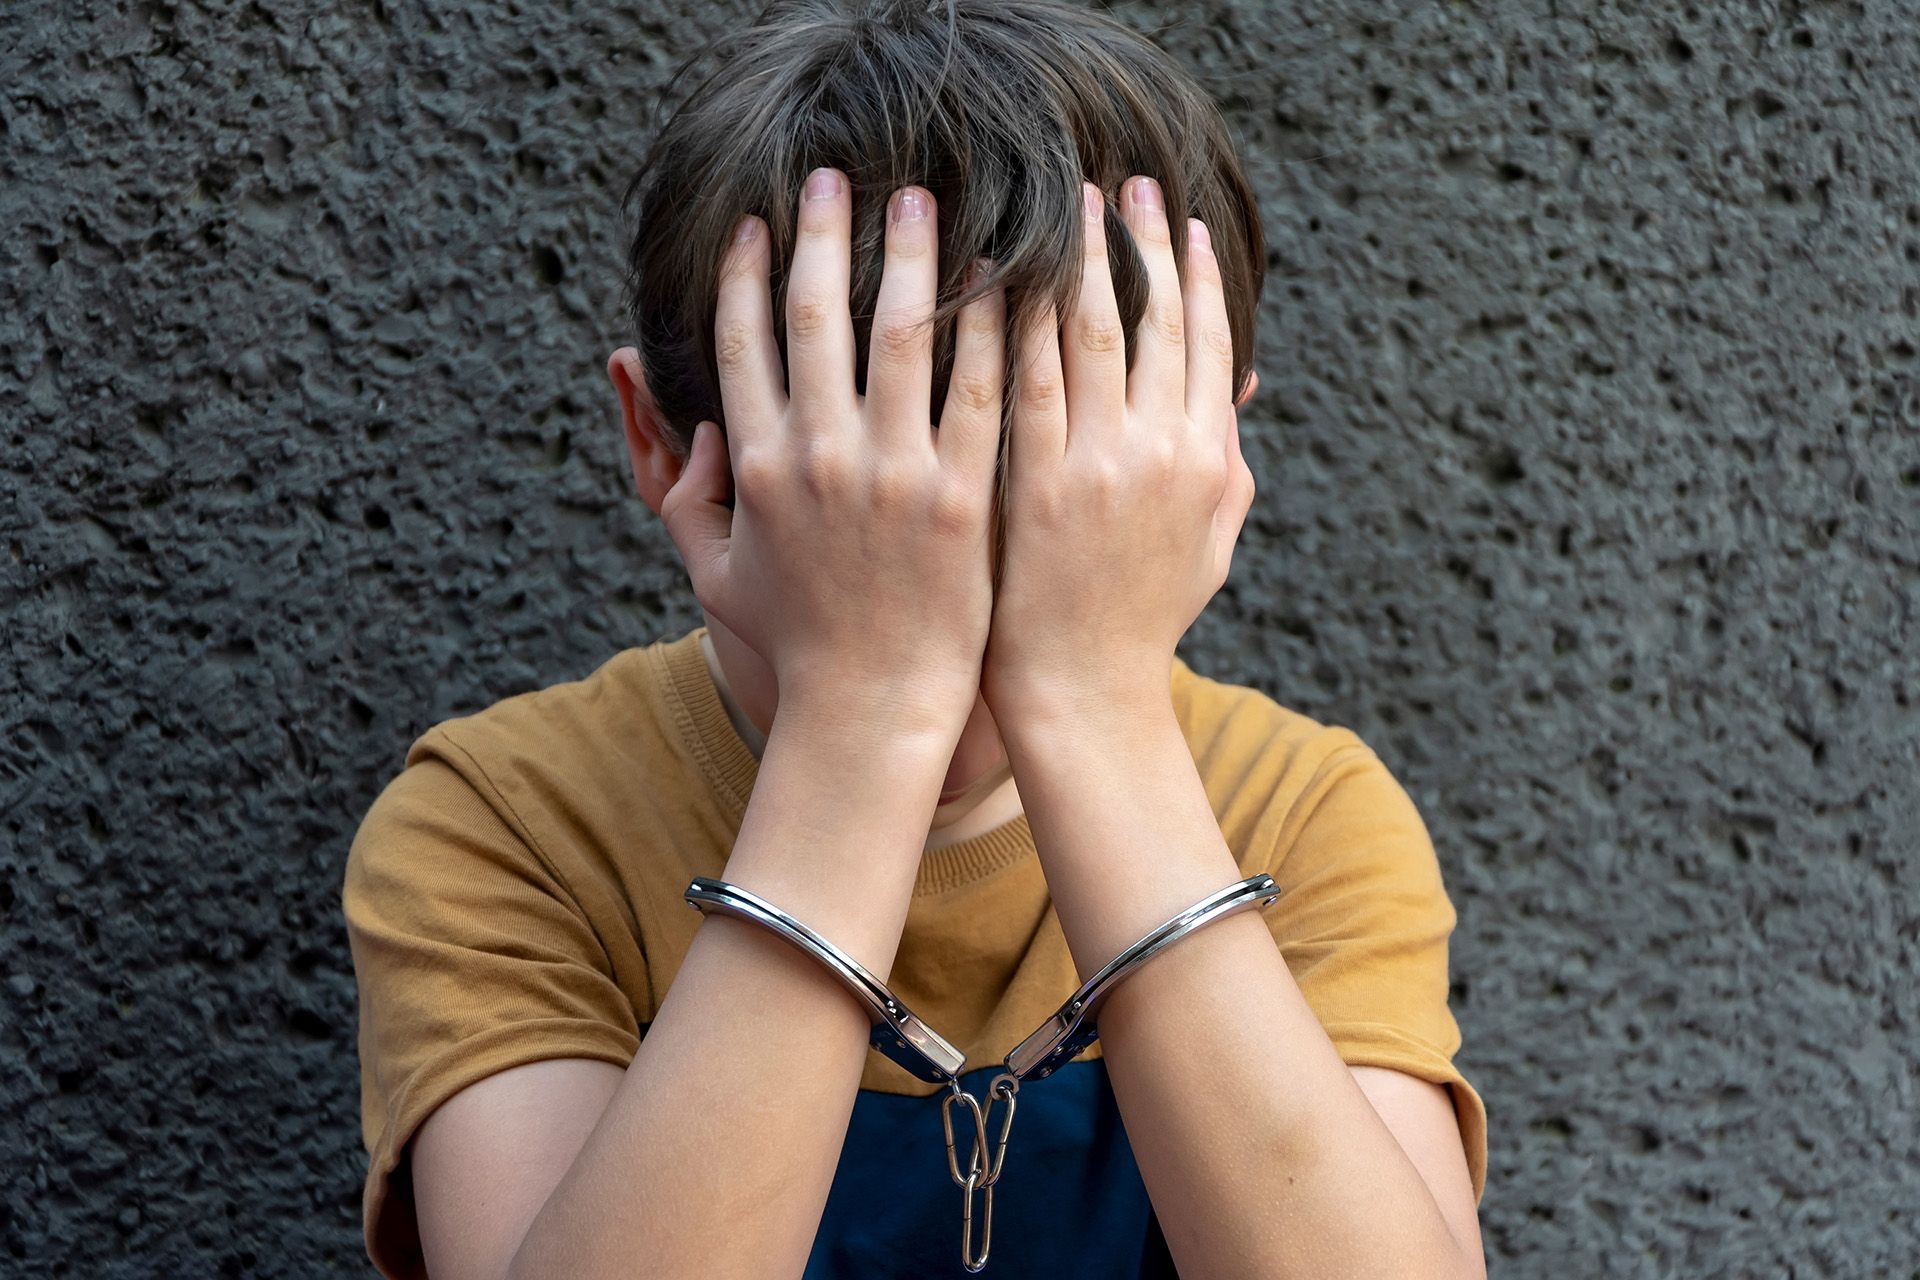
(1126, 493)
(855, 559)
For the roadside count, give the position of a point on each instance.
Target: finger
(1253, 387)
(1209, 335)
(1093, 348)
(1235, 501)
(969, 436)
(900, 344)
(752, 383)
(1039, 427)
(1160, 360)
(820, 345)
(696, 514)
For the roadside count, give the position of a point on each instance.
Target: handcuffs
(906, 1039)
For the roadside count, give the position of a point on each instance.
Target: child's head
(1001, 109)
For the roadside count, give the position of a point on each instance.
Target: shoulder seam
(1339, 756)
(533, 843)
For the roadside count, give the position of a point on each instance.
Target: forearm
(1260, 1152)
(716, 1153)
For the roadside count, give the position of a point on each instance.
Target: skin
(1264, 1155)
(978, 792)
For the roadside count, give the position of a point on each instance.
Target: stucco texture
(1588, 444)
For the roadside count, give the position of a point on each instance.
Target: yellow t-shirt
(514, 894)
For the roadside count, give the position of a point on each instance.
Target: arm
(712, 1153)
(854, 559)
(1261, 1151)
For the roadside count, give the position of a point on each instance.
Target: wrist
(1051, 708)
(841, 727)
(931, 697)
(837, 821)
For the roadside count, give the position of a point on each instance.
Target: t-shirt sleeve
(1363, 923)
(471, 957)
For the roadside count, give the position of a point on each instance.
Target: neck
(749, 731)
(1000, 804)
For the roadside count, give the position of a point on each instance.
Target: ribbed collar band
(731, 767)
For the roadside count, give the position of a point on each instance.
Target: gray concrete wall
(1589, 452)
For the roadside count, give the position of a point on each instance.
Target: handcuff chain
(979, 1176)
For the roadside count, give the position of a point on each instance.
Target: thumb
(695, 511)
(1231, 517)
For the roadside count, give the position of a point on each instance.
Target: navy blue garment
(1070, 1201)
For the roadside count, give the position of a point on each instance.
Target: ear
(1253, 385)
(655, 464)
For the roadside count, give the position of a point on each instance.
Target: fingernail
(1146, 194)
(1092, 202)
(744, 229)
(982, 268)
(909, 205)
(1197, 232)
(823, 184)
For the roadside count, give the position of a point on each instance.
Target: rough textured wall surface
(1589, 449)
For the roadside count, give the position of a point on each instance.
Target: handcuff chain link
(981, 1173)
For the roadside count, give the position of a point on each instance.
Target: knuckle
(670, 511)
(739, 267)
(1169, 320)
(972, 393)
(817, 223)
(1211, 477)
(1203, 270)
(824, 472)
(958, 508)
(1218, 344)
(754, 473)
(1100, 334)
(897, 339)
(984, 317)
(1105, 478)
(908, 245)
(731, 345)
(1153, 231)
(807, 317)
(1038, 390)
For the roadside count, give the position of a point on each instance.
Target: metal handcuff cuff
(901, 1035)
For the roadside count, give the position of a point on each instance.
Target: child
(947, 520)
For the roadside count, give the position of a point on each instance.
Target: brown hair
(1000, 108)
